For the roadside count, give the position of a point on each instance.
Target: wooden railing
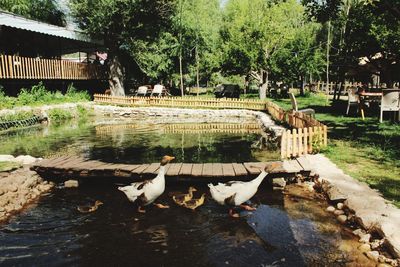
(187, 102)
(16, 67)
(329, 88)
(308, 135)
(303, 141)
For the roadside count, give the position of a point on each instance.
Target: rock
(7, 158)
(333, 192)
(12, 188)
(71, 183)
(377, 243)
(338, 212)
(364, 248)
(309, 186)
(342, 218)
(372, 255)
(1, 192)
(365, 238)
(25, 159)
(384, 265)
(9, 208)
(359, 232)
(2, 209)
(340, 205)
(330, 209)
(279, 182)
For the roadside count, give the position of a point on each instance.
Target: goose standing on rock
(146, 192)
(235, 193)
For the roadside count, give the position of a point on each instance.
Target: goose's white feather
(151, 189)
(239, 191)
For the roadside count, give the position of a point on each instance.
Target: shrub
(58, 114)
(76, 96)
(38, 95)
(22, 115)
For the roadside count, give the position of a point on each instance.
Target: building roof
(18, 22)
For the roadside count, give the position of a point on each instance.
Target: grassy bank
(39, 95)
(366, 150)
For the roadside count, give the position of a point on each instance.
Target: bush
(39, 95)
(58, 114)
(75, 95)
(22, 115)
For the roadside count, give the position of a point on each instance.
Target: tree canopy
(43, 10)
(259, 40)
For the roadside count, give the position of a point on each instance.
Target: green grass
(367, 150)
(8, 166)
(39, 95)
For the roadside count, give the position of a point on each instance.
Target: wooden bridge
(79, 168)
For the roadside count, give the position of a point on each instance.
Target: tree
(43, 10)
(122, 24)
(300, 57)
(363, 29)
(254, 32)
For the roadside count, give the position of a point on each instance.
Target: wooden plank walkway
(76, 167)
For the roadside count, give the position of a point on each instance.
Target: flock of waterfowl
(233, 193)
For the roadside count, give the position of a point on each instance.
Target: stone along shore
(19, 186)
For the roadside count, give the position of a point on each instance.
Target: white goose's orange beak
(169, 158)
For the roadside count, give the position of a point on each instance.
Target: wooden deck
(79, 168)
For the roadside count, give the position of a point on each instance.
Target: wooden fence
(187, 102)
(330, 87)
(303, 141)
(307, 136)
(16, 67)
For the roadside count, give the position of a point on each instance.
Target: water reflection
(139, 143)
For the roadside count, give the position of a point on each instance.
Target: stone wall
(19, 187)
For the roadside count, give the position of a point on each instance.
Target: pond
(287, 229)
(139, 143)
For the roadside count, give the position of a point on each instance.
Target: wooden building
(32, 51)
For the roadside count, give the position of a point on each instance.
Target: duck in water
(146, 192)
(235, 193)
(90, 208)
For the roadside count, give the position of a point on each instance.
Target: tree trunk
(116, 75)
(264, 84)
(302, 85)
(181, 74)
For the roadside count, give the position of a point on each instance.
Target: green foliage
(40, 95)
(6, 166)
(57, 114)
(73, 95)
(47, 11)
(21, 115)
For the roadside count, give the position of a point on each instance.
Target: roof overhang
(18, 22)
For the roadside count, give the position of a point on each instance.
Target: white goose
(146, 192)
(235, 193)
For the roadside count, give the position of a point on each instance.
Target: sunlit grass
(365, 149)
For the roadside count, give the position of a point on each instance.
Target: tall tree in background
(43, 10)
(254, 32)
(363, 29)
(300, 58)
(121, 24)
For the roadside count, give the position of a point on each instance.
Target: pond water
(287, 229)
(138, 143)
